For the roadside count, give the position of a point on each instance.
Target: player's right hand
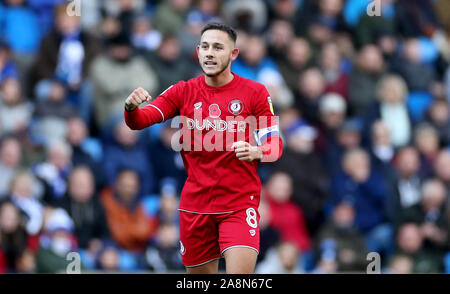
(136, 98)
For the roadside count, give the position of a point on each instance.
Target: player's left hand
(246, 152)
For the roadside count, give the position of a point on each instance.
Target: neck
(220, 80)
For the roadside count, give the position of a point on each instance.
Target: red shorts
(204, 237)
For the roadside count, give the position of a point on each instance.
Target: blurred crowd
(363, 98)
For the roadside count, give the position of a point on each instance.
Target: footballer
(227, 127)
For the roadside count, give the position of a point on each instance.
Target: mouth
(209, 64)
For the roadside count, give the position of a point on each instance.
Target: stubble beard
(221, 70)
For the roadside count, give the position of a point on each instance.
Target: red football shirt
(211, 119)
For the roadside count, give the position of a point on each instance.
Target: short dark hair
(221, 27)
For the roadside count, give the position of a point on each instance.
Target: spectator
(442, 169)
(283, 259)
(169, 63)
(54, 171)
(163, 255)
(130, 72)
(86, 150)
(51, 114)
(168, 162)
(368, 70)
(332, 114)
(22, 196)
(84, 207)
(279, 36)
(411, 66)
(350, 244)
(8, 68)
(438, 115)
(15, 109)
(426, 139)
(367, 191)
(420, 10)
(269, 236)
(336, 79)
(286, 217)
(122, 13)
(67, 53)
(10, 162)
(430, 216)
(309, 178)
(20, 30)
(203, 12)
(348, 137)
(287, 10)
(409, 241)
(15, 241)
(400, 264)
(254, 64)
(297, 59)
(391, 108)
(144, 36)
(56, 242)
(125, 150)
(250, 15)
(310, 87)
(168, 203)
(127, 222)
(170, 16)
(382, 151)
(408, 181)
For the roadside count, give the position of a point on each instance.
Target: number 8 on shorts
(251, 218)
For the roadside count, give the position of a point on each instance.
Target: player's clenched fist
(246, 152)
(136, 98)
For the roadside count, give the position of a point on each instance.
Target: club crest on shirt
(252, 232)
(235, 107)
(214, 111)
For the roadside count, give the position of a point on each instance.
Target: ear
(197, 49)
(234, 54)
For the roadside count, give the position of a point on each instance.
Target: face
(344, 215)
(128, 185)
(216, 52)
(440, 112)
(67, 24)
(442, 166)
(170, 49)
(76, 131)
(409, 238)
(312, 83)
(434, 196)
(9, 218)
(10, 153)
(22, 186)
(330, 57)
(280, 187)
(298, 51)
(408, 162)
(124, 135)
(81, 185)
(392, 92)
(370, 59)
(381, 134)
(10, 91)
